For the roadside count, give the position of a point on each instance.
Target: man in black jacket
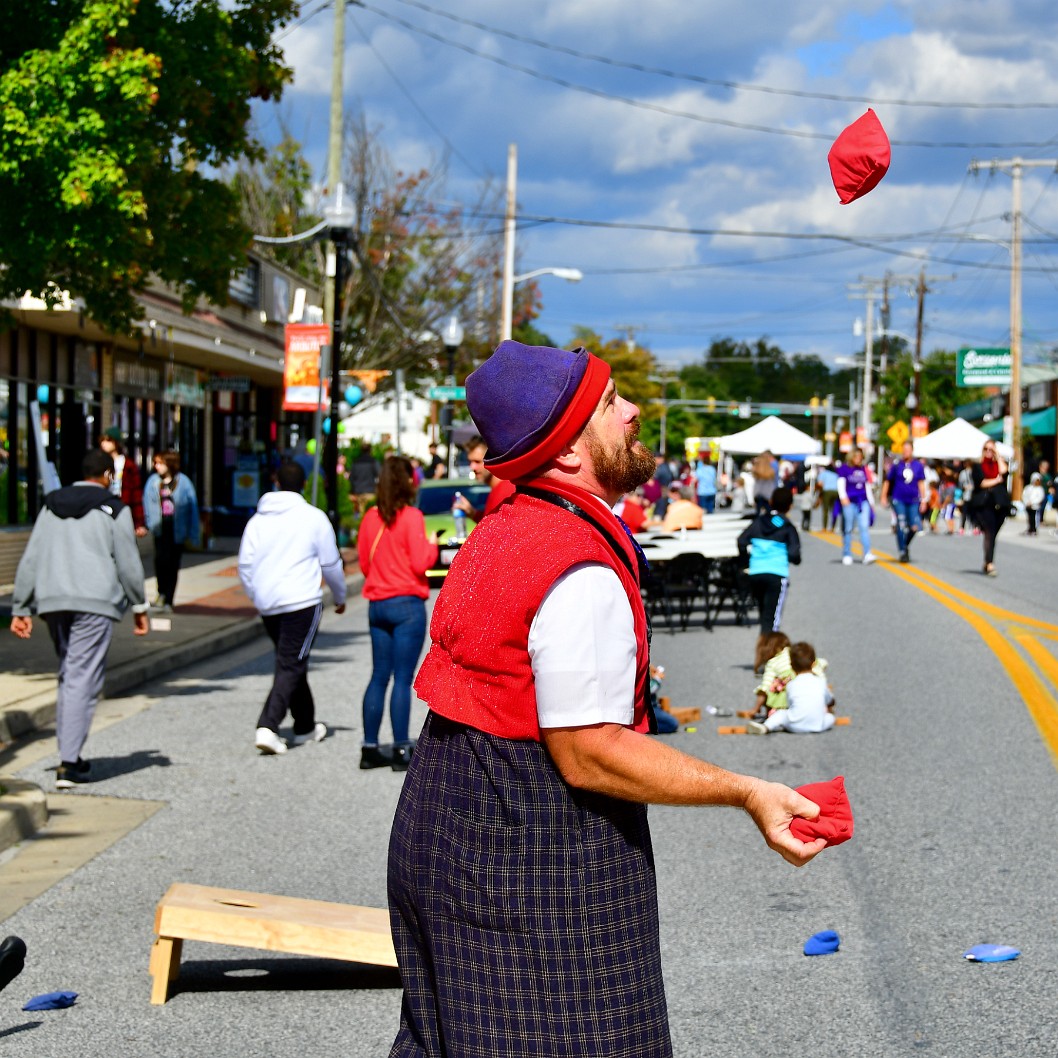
(80, 571)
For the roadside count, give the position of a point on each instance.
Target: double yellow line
(1000, 630)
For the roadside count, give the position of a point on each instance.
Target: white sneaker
(268, 741)
(317, 734)
(754, 727)
(847, 560)
(869, 558)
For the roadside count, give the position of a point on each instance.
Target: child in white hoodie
(286, 548)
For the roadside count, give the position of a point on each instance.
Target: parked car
(435, 499)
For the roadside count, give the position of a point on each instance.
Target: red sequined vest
(478, 670)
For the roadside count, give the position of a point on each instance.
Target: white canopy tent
(772, 435)
(957, 440)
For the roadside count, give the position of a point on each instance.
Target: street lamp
(452, 336)
(339, 217)
(571, 275)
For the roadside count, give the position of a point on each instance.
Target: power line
(688, 115)
(718, 83)
(411, 99)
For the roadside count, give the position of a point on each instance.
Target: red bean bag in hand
(859, 158)
(835, 813)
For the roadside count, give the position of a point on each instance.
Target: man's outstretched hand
(772, 806)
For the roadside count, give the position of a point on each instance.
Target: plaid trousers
(524, 913)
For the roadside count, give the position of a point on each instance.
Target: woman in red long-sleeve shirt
(395, 554)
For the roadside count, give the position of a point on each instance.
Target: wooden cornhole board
(258, 920)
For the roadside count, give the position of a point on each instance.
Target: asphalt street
(951, 778)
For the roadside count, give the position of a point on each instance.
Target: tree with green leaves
(117, 115)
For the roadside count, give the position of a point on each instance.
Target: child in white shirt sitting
(809, 702)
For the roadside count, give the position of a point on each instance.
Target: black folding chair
(687, 583)
(729, 585)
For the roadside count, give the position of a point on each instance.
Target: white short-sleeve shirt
(582, 646)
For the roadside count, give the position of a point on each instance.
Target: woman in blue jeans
(395, 554)
(857, 506)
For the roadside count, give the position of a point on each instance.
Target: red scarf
(990, 468)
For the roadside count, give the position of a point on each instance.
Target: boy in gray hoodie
(80, 571)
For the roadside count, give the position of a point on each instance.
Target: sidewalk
(212, 615)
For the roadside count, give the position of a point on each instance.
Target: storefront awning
(1034, 423)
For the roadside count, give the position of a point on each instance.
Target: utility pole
(1015, 166)
(629, 330)
(867, 289)
(507, 323)
(921, 284)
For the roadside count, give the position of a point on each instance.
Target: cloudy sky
(688, 141)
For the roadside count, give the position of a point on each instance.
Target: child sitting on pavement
(810, 705)
(773, 654)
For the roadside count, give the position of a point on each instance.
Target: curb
(23, 810)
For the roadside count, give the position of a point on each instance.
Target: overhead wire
(414, 102)
(720, 83)
(640, 104)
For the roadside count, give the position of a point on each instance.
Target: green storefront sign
(983, 367)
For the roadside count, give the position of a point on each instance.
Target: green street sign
(448, 393)
(982, 367)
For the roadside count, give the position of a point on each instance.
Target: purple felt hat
(528, 401)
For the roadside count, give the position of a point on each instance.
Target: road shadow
(24, 1027)
(113, 767)
(282, 974)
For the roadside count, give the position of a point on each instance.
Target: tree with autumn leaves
(117, 116)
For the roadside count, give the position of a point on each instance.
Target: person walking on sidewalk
(80, 571)
(905, 489)
(286, 548)
(127, 482)
(522, 893)
(394, 553)
(171, 507)
(857, 506)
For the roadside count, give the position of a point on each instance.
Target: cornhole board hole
(258, 920)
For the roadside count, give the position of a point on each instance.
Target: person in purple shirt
(857, 506)
(905, 489)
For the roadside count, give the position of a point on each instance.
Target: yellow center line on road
(1040, 702)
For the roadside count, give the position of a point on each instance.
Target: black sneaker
(402, 757)
(68, 775)
(12, 959)
(373, 757)
(904, 556)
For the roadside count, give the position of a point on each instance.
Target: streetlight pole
(452, 336)
(339, 219)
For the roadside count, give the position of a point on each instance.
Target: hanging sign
(301, 369)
